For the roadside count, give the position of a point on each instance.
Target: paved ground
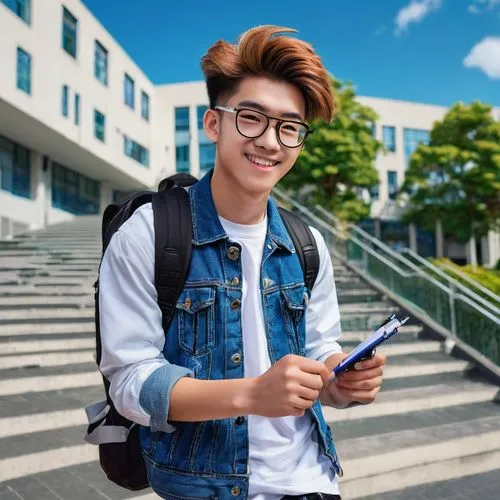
(480, 487)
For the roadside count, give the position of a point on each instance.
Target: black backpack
(117, 437)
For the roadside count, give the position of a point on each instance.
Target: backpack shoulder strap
(173, 240)
(305, 245)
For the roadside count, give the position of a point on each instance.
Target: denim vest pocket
(196, 320)
(293, 308)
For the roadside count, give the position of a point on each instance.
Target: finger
(352, 375)
(377, 360)
(364, 397)
(301, 403)
(360, 385)
(315, 367)
(311, 381)
(309, 394)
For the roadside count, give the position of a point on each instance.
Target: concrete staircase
(436, 419)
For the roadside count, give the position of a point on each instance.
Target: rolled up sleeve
(322, 314)
(132, 337)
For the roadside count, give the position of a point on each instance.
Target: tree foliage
(456, 177)
(338, 158)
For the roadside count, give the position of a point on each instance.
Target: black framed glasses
(252, 124)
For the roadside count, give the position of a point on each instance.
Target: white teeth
(262, 162)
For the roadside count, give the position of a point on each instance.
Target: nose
(269, 139)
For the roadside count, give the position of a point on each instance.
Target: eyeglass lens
(253, 124)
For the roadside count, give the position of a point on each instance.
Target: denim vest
(210, 459)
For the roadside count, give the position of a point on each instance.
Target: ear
(211, 124)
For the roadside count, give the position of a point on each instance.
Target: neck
(237, 205)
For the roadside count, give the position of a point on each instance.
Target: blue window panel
(129, 91)
(65, 99)
(135, 151)
(389, 138)
(69, 32)
(15, 168)
(74, 192)
(375, 192)
(22, 8)
(412, 138)
(395, 234)
(145, 105)
(101, 63)
(99, 125)
(77, 109)
(392, 183)
(207, 157)
(182, 158)
(23, 70)
(182, 119)
(200, 112)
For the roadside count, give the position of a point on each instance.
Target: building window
(200, 112)
(21, 8)
(412, 138)
(129, 89)
(15, 168)
(23, 70)
(135, 151)
(65, 99)
(207, 157)
(70, 32)
(375, 192)
(101, 63)
(145, 105)
(74, 192)
(389, 137)
(77, 109)
(182, 158)
(392, 183)
(182, 119)
(99, 125)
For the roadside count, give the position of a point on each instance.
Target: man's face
(240, 159)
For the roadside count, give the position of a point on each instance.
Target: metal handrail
(454, 282)
(425, 262)
(473, 282)
(399, 265)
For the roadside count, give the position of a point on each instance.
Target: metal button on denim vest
(210, 459)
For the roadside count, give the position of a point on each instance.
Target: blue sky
(432, 51)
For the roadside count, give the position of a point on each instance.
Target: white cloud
(486, 56)
(479, 6)
(414, 12)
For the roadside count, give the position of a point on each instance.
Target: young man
(229, 397)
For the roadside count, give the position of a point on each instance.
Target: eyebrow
(264, 109)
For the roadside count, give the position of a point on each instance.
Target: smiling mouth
(261, 162)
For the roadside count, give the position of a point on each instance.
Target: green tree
(456, 177)
(338, 158)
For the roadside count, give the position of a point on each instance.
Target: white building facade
(80, 123)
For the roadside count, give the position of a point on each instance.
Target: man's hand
(289, 387)
(361, 384)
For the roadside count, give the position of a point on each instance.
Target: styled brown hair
(261, 51)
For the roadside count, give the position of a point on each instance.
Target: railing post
(365, 259)
(453, 316)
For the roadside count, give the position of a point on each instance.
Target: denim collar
(206, 224)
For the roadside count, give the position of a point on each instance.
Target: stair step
(358, 295)
(47, 359)
(46, 302)
(32, 291)
(62, 327)
(416, 399)
(426, 418)
(437, 453)
(27, 347)
(46, 315)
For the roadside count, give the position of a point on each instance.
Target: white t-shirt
(284, 456)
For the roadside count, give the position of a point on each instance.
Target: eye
(251, 117)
